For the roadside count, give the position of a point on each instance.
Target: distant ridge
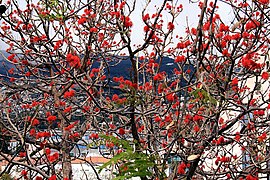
(121, 68)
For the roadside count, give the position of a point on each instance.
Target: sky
(190, 12)
(189, 16)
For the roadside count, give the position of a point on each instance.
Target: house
(82, 167)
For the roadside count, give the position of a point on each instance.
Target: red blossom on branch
(69, 94)
(265, 75)
(73, 60)
(51, 118)
(77, 74)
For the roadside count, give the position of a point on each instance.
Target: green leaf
(6, 176)
(207, 98)
(132, 164)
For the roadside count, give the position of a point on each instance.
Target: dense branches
(194, 104)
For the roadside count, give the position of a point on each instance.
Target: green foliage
(131, 164)
(54, 2)
(206, 97)
(6, 176)
(56, 12)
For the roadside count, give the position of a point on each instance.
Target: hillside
(121, 68)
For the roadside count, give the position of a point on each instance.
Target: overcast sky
(190, 12)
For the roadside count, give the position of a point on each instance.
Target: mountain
(120, 66)
(123, 67)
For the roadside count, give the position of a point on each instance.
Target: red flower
(157, 119)
(24, 173)
(32, 132)
(35, 122)
(236, 36)
(181, 168)
(121, 131)
(28, 74)
(12, 79)
(259, 112)
(75, 135)
(170, 26)
(196, 128)
(94, 136)
(262, 137)
(171, 97)
(73, 60)
(146, 17)
(122, 5)
(250, 177)
(223, 27)
(54, 157)
(197, 118)
(206, 26)
(69, 127)
(265, 75)
(11, 71)
(237, 136)
(93, 29)
(180, 59)
(38, 178)
(234, 81)
(226, 53)
(11, 57)
(53, 177)
(248, 63)
(57, 45)
(22, 154)
(193, 31)
(264, 2)
(146, 28)
(252, 24)
(220, 140)
(112, 126)
(68, 109)
(115, 97)
(51, 118)
(69, 94)
(127, 22)
(158, 77)
(47, 151)
(82, 20)
(25, 62)
(225, 159)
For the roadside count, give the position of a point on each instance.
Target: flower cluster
(73, 60)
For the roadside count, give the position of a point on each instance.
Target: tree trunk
(66, 159)
(65, 148)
